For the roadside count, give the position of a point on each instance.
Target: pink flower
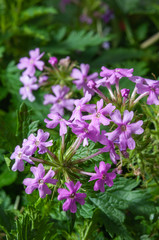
(31, 63)
(111, 77)
(103, 177)
(124, 130)
(53, 61)
(40, 181)
(20, 156)
(59, 100)
(109, 147)
(99, 117)
(29, 86)
(81, 106)
(151, 87)
(57, 119)
(43, 79)
(71, 196)
(125, 92)
(84, 131)
(81, 77)
(38, 142)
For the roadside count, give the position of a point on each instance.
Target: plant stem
(52, 155)
(86, 158)
(41, 161)
(140, 97)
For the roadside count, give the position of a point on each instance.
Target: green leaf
(23, 121)
(33, 127)
(36, 12)
(79, 40)
(110, 206)
(33, 31)
(7, 177)
(87, 210)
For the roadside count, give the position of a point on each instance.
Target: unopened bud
(53, 61)
(125, 92)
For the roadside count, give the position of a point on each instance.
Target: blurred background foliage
(118, 33)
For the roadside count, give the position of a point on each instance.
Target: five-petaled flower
(59, 100)
(71, 196)
(38, 141)
(40, 181)
(103, 177)
(31, 63)
(125, 129)
(29, 86)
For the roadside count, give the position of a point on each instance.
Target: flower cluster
(111, 123)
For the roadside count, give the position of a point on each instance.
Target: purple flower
(29, 86)
(31, 63)
(106, 45)
(81, 77)
(86, 19)
(137, 79)
(81, 106)
(38, 142)
(72, 196)
(103, 177)
(43, 79)
(124, 130)
(57, 119)
(83, 130)
(109, 147)
(53, 61)
(111, 77)
(60, 100)
(108, 15)
(40, 181)
(125, 92)
(20, 156)
(151, 87)
(99, 117)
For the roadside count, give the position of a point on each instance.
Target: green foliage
(129, 209)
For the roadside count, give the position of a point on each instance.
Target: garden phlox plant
(110, 123)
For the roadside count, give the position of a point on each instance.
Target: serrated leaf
(33, 127)
(110, 206)
(79, 41)
(86, 210)
(35, 32)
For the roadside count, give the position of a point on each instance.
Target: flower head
(40, 181)
(111, 77)
(84, 131)
(29, 86)
(31, 63)
(125, 129)
(103, 177)
(72, 196)
(57, 119)
(99, 117)
(81, 106)
(39, 141)
(151, 87)
(59, 100)
(81, 77)
(20, 156)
